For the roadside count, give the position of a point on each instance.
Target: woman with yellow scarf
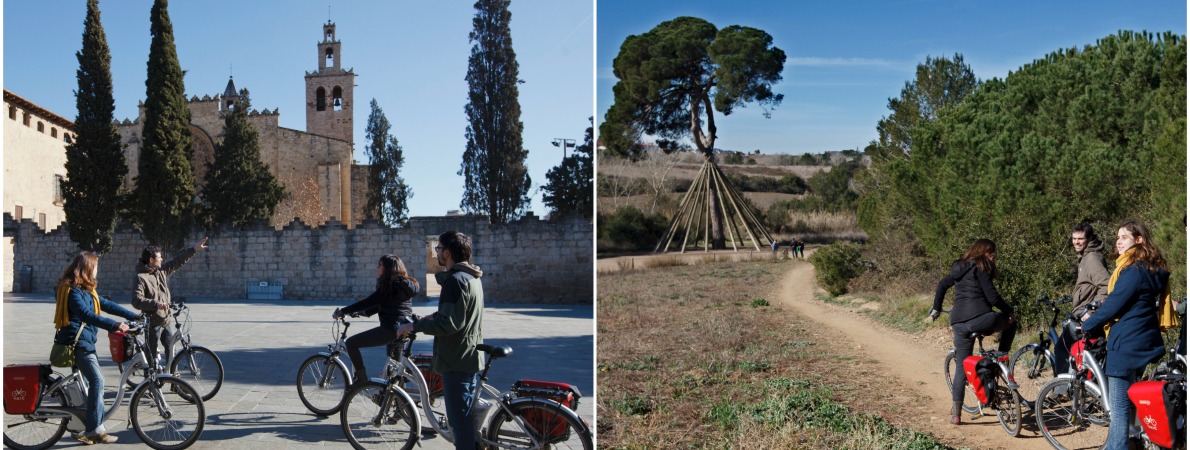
(1137, 286)
(76, 316)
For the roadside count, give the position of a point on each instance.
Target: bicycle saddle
(495, 352)
(980, 334)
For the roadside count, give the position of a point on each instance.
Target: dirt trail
(914, 362)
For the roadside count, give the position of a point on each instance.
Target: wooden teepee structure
(712, 195)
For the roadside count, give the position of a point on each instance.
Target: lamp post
(564, 143)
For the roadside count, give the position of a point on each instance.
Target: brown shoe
(956, 413)
(101, 438)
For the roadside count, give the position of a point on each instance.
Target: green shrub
(836, 264)
(633, 230)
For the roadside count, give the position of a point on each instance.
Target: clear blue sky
(845, 59)
(410, 56)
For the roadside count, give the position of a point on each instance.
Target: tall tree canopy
(240, 189)
(95, 166)
(496, 178)
(676, 75)
(163, 203)
(388, 195)
(569, 186)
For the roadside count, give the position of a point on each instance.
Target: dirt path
(915, 364)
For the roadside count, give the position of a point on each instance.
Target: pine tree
(388, 195)
(240, 189)
(497, 181)
(569, 186)
(163, 202)
(95, 166)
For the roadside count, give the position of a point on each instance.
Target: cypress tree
(95, 166)
(163, 202)
(388, 195)
(496, 179)
(240, 189)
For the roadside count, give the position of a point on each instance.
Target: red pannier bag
(551, 427)
(120, 343)
(981, 377)
(22, 387)
(1157, 408)
(433, 380)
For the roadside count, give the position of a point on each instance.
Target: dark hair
(78, 272)
(392, 270)
(458, 243)
(1085, 228)
(978, 253)
(148, 253)
(1144, 251)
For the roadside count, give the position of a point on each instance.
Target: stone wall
(529, 261)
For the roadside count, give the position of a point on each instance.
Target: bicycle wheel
(37, 430)
(167, 413)
(1008, 408)
(372, 418)
(201, 368)
(1071, 420)
(970, 402)
(321, 384)
(545, 423)
(136, 377)
(1032, 366)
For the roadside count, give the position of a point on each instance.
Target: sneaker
(101, 438)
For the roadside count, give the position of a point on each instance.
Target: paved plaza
(261, 344)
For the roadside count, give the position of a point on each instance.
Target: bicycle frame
(334, 350)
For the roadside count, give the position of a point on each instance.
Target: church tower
(329, 91)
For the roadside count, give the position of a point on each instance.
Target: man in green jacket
(457, 328)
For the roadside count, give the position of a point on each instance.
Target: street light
(564, 143)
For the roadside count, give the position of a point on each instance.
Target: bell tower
(329, 91)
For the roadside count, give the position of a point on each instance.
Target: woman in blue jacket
(78, 305)
(1138, 282)
(974, 297)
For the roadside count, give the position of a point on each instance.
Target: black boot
(956, 413)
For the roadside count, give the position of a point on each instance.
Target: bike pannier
(433, 380)
(981, 374)
(551, 427)
(1076, 351)
(121, 346)
(22, 387)
(1160, 407)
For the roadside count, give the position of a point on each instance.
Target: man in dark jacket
(457, 328)
(151, 294)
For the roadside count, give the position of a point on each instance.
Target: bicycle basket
(550, 426)
(22, 387)
(121, 346)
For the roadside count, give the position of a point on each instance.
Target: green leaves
(240, 189)
(569, 187)
(388, 195)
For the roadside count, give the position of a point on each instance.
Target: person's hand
(404, 330)
(338, 314)
(201, 245)
(934, 314)
(162, 307)
(1012, 318)
(1085, 317)
(123, 326)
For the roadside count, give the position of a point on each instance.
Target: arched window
(12, 112)
(40, 126)
(320, 99)
(338, 96)
(67, 138)
(25, 118)
(53, 132)
(330, 56)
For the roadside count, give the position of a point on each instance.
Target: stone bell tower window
(320, 99)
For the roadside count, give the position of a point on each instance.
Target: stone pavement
(261, 344)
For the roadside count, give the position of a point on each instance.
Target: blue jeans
(88, 365)
(1121, 411)
(458, 392)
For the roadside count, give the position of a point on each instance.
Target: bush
(836, 264)
(733, 158)
(633, 230)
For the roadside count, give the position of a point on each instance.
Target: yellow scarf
(61, 307)
(1166, 317)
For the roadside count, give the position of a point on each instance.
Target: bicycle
(198, 365)
(381, 414)
(165, 411)
(323, 379)
(1005, 399)
(1033, 365)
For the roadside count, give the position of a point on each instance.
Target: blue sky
(845, 59)
(410, 56)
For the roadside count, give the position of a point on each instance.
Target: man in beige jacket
(152, 296)
(1090, 285)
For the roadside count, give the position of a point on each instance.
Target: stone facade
(528, 261)
(34, 138)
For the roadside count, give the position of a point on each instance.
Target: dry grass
(691, 357)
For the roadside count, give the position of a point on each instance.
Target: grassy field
(698, 357)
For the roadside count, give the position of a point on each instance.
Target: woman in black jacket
(974, 297)
(393, 299)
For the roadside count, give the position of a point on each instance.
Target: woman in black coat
(393, 299)
(974, 297)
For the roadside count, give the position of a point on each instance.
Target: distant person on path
(1090, 284)
(774, 245)
(152, 296)
(393, 299)
(1138, 288)
(76, 316)
(457, 328)
(974, 297)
